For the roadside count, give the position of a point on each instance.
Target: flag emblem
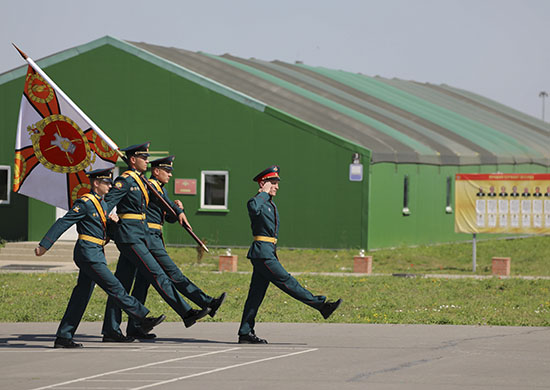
(55, 145)
(37, 89)
(59, 144)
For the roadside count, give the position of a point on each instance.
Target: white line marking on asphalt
(134, 368)
(223, 369)
(119, 380)
(123, 349)
(158, 382)
(95, 388)
(188, 367)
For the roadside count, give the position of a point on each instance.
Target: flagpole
(103, 136)
(59, 91)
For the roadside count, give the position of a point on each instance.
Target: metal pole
(474, 253)
(543, 95)
(60, 92)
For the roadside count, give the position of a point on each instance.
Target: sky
(496, 48)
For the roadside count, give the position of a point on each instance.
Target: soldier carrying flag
(131, 198)
(56, 142)
(89, 214)
(161, 172)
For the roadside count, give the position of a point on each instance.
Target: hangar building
(366, 162)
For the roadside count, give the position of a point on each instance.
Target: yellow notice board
(502, 203)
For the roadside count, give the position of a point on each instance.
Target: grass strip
(529, 257)
(374, 299)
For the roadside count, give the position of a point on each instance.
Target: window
(406, 210)
(448, 207)
(214, 190)
(5, 184)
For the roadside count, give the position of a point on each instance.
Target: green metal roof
(398, 121)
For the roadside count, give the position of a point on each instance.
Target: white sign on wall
(356, 172)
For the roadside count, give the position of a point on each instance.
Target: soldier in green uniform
(264, 219)
(131, 197)
(161, 172)
(89, 213)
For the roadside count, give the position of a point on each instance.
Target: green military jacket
(89, 222)
(130, 198)
(264, 220)
(156, 214)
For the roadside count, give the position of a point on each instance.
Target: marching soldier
(264, 218)
(89, 214)
(131, 198)
(161, 172)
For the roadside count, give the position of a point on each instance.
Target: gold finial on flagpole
(20, 52)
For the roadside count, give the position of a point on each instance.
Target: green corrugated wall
(428, 223)
(134, 101)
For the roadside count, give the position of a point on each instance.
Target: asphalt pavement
(298, 356)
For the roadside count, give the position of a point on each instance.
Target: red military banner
(55, 145)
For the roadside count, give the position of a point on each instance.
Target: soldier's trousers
(185, 286)
(264, 272)
(136, 256)
(92, 273)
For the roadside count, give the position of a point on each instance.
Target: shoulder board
(98, 208)
(140, 183)
(157, 186)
